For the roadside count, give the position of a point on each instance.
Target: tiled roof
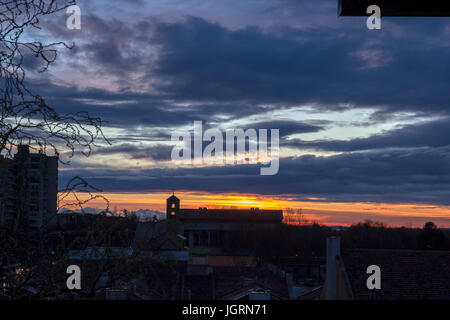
(405, 274)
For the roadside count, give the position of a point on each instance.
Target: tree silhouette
(431, 237)
(36, 260)
(25, 117)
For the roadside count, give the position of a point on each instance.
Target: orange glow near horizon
(313, 209)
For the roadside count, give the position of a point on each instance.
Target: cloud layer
(156, 67)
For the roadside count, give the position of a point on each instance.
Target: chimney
(333, 251)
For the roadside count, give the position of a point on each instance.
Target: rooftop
(405, 274)
(253, 215)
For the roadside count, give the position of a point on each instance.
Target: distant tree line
(309, 241)
(375, 235)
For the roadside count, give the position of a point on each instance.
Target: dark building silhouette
(28, 188)
(205, 227)
(173, 207)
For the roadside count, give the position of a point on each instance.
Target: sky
(363, 114)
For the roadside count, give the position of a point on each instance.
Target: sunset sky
(363, 115)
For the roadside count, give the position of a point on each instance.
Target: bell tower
(173, 207)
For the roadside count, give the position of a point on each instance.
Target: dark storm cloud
(286, 128)
(157, 152)
(162, 152)
(199, 60)
(421, 176)
(196, 60)
(429, 134)
(236, 72)
(128, 109)
(199, 70)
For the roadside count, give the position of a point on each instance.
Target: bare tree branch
(25, 117)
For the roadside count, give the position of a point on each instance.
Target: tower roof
(172, 197)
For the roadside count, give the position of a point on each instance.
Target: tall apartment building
(7, 190)
(28, 188)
